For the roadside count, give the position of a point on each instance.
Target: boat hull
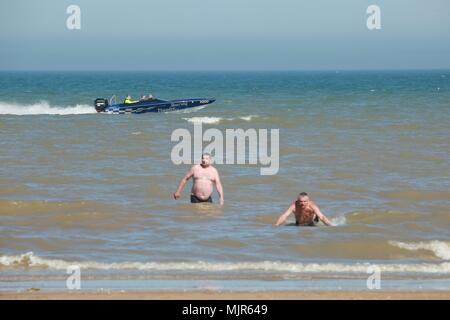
(157, 106)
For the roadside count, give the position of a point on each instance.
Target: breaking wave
(28, 260)
(439, 248)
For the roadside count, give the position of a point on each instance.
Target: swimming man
(306, 212)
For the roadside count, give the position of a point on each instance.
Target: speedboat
(103, 105)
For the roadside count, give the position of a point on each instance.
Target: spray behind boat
(101, 104)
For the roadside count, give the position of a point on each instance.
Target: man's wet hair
(302, 194)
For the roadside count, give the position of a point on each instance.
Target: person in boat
(143, 98)
(150, 97)
(129, 100)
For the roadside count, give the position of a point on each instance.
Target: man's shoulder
(214, 169)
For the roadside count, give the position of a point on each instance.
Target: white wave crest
(207, 120)
(247, 118)
(215, 120)
(43, 107)
(30, 260)
(439, 248)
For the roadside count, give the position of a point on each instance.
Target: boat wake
(44, 107)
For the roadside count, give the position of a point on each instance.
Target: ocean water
(95, 190)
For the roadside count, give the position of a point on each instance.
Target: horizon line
(225, 70)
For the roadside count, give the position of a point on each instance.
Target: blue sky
(224, 35)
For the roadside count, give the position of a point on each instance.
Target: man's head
(206, 160)
(303, 199)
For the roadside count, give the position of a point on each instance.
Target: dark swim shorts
(313, 223)
(194, 199)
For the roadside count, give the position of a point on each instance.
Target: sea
(86, 199)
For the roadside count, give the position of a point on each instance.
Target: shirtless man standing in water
(306, 212)
(205, 175)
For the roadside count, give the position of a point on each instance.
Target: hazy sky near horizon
(224, 35)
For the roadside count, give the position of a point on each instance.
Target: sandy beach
(208, 295)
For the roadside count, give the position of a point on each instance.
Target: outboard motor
(101, 104)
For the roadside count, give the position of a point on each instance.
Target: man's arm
(219, 188)
(321, 216)
(183, 181)
(285, 215)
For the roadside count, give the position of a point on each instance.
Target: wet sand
(208, 295)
